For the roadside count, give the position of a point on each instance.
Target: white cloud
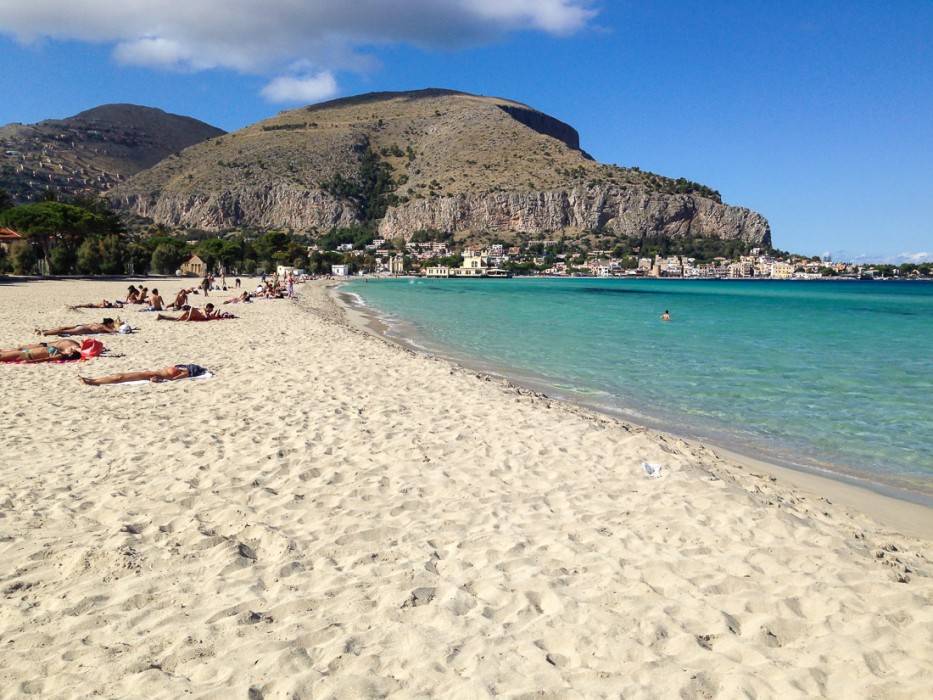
(553, 16)
(915, 258)
(884, 259)
(268, 37)
(301, 89)
(153, 52)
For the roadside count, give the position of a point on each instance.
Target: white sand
(333, 516)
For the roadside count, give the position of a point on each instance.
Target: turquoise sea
(833, 376)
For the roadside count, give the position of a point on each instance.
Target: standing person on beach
(206, 284)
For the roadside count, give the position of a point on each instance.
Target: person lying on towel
(166, 374)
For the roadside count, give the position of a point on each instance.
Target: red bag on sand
(91, 347)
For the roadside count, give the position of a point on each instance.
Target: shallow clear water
(832, 375)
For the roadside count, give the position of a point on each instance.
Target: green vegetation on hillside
(371, 191)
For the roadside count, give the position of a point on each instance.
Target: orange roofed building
(7, 237)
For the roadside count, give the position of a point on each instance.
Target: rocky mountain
(91, 151)
(479, 167)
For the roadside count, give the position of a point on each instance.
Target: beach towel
(206, 375)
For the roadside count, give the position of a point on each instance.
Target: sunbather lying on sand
(43, 352)
(195, 314)
(108, 326)
(245, 296)
(166, 374)
(104, 304)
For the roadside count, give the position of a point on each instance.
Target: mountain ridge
(470, 164)
(475, 166)
(93, 150)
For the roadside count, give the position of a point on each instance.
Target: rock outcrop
(624, 212)
(267, 207)
(627, 212)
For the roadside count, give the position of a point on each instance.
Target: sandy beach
(332, 516)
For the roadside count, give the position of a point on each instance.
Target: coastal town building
(475, 264)
(781, 270)
(740, 268)
(397, 264)
(194, 266)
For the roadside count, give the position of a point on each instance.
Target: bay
(829, 376)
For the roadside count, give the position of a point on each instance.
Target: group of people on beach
(68, 349)
(276, 288)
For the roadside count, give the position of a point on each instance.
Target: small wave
(355, 299)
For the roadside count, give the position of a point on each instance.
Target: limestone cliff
(628, 212)
(432, 159)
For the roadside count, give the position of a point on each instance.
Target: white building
(397, 264)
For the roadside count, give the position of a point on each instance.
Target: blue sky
(819, 115)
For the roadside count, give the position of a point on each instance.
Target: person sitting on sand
(166, 374)
(155, 301)
(107, 326)
(43, 352)
(244, 296)
(143, 295)
(103, 304)
(181, 299)
(132, 295)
